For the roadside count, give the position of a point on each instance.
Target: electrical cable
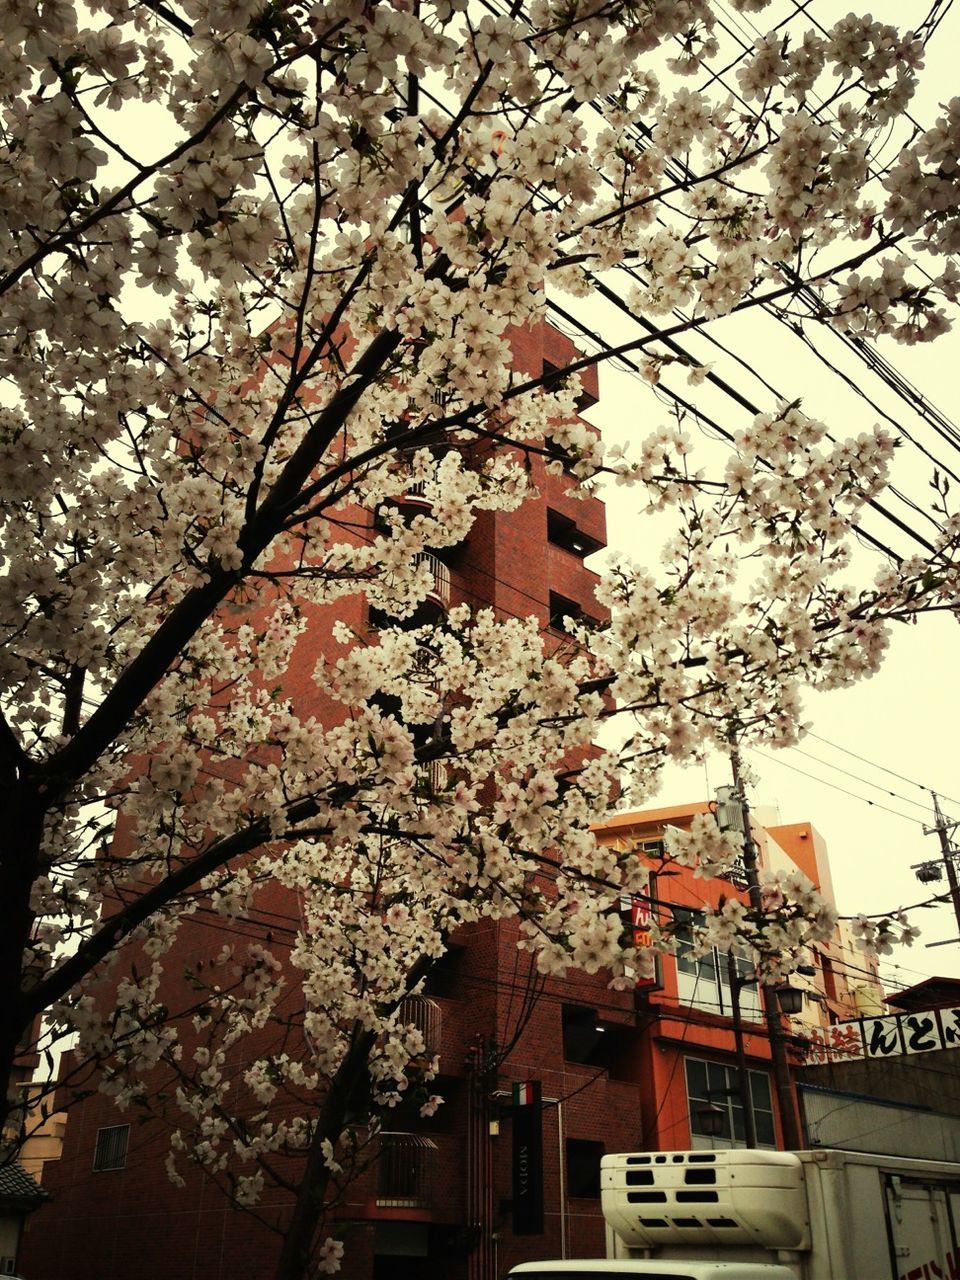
(873, 764)
(866, 781)
(863, 799)
(671, 344)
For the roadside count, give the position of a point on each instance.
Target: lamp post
(790, 999)
(711, 1116)
(736, 983)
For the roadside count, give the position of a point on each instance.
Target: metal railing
(441, 575)
(424, 1014)
(405, 1170)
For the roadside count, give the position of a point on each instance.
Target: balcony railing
(438, 775)
(441, 576)
(425, 1014)
(405, 1171)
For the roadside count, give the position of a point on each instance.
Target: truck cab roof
(653, 1269)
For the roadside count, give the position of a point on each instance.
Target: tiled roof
(931, 993)
(16, 1186)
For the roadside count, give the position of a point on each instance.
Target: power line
(866, 781)
(685, 175)
(863, 799)
(874, 765)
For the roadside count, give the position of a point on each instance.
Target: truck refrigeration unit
(770, 1215)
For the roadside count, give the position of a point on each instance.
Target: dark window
(591, 1040)
(563, 532)
(561, 608)
(581, 1034)
(583, 1168)
(445, 977)
(111, 1152)
(557, 453)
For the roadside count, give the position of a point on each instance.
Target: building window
(703, 981)
(829, 977)
(594, 1041)
(715, 1084)
(111, 1151)
(583, 1168)
(581, 1035)
(445, 976)
(563, 532)
(562, 609)
(650, 848)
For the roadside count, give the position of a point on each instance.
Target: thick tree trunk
(19, 862)
(300, 1236)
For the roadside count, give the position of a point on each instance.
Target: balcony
(405, 1171)
(424, 1014)
(437, 773)
(440, 592)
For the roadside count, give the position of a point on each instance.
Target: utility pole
(948, 854)
(786, 1100)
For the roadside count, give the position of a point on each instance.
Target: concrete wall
(853, 1122)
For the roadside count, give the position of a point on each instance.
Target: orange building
(687, 1045)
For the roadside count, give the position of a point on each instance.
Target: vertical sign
(638, 917)
(527, 1159)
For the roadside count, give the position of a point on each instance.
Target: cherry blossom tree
(259, 261)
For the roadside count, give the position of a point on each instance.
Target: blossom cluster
(235, 346)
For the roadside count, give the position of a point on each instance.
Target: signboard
(638, 914)
(527, 1159)
(886, 1036)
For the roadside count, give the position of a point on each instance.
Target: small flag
(524, 1093)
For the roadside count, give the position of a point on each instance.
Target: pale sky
(906, 718)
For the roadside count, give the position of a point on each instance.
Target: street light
(711, 1118)
(789, 998)
(928, 872)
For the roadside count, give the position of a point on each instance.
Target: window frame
(102, 1151)
(703, 982)
(720, 1081)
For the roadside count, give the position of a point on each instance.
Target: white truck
(772, 1215)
